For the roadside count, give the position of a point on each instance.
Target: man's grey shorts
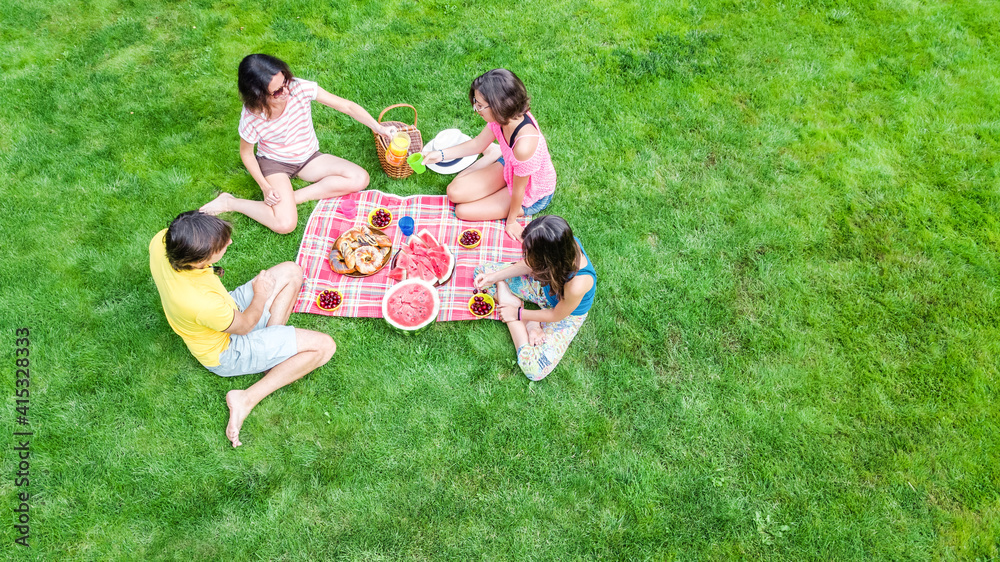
(264, 347)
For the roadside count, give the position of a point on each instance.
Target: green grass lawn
(792, 207)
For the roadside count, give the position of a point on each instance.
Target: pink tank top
(538, 169)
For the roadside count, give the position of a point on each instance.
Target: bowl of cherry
(380, 218)
(329, 300)
(470, 238)
(481, 305)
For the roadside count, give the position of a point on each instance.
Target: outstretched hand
(481, 282)
(431, 156)
(387, 132)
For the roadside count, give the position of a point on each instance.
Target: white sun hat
(447, 139)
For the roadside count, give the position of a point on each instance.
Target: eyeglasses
(478, 108)
(282, 90)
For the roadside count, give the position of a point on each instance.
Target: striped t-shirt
(291, 137)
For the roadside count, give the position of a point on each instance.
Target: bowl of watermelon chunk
(423, 258)
(411, 305)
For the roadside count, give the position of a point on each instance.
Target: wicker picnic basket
(416, 143)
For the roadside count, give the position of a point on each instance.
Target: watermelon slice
(428, 238)
(424, 270)
(417, 247)
(442, 260)
(439, 264)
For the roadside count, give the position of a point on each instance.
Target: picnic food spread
(360, 251)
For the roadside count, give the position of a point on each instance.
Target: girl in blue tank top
(557, 275)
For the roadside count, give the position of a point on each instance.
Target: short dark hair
(254, 76)
(193, 237)
(504, 93)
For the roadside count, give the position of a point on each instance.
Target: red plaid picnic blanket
(362, 296)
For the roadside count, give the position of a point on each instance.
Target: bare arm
(271, 196)
(243, 322)
(484, 280)
(355, 111)
(472, 146)
(512, 227)
(573, 293)
(524, 149)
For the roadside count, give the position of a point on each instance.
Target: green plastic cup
(416, 161)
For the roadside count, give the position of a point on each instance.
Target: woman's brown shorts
(269, 167)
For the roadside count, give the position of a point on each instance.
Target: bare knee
(461, 211)
(285, 225)
(358, 179)
(288, 273)
(327, 347)
(318, 342)
(454, 191)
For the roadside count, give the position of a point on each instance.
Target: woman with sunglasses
(277, 117)
(516, 180)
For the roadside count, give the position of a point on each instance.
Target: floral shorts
(537, 361)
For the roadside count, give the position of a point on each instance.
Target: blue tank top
(588, 299)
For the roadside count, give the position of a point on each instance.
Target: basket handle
(400, 105)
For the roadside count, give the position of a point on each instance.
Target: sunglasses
(282, 90)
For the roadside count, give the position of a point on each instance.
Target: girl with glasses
(277, 117)
(512, 180)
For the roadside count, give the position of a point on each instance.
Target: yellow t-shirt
(196, 304)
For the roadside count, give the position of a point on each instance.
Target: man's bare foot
(218, 205)
(535, 333)
(238, 411)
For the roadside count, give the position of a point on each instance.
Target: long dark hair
(504, 93)
(550, 251)
(194, 237)
(254, 75)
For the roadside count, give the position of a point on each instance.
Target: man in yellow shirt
(238, 332)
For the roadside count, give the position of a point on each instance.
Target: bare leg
(333, 177)
(492, 207)
(315, 349)
(287, 282)
(281, 218)
(475, 185)
(490, 155)
(518, 331)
